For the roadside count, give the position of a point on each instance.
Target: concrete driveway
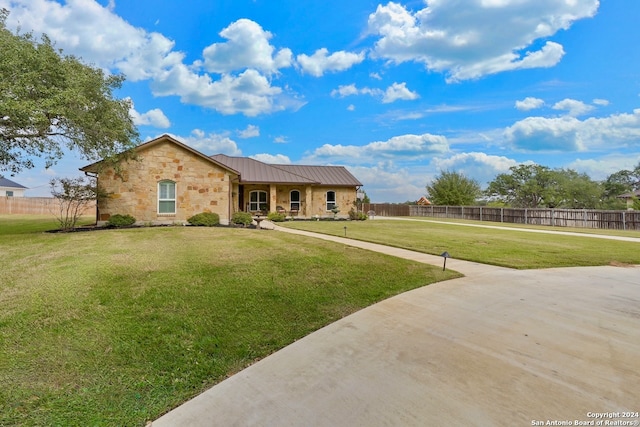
(499, 347)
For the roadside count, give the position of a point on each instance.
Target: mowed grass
(116, 327)
(507, 248)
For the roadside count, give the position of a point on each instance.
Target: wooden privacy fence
(34, 206)
(579, 218)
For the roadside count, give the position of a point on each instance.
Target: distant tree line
(536, 186)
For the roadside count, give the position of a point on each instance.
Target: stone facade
(201, 186)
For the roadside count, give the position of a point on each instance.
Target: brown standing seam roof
(253, 171)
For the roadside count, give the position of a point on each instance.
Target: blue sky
(395, 91)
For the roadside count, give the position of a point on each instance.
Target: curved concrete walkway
(499, 347)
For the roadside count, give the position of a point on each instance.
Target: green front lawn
(117, 327)
(508, 248)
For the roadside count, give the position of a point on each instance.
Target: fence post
(480, 213)
(624, 223)
(525, 216)
(553, 217)
(446, 211)
(501, 214)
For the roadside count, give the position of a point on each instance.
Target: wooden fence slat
(33, 206)
(577, 218)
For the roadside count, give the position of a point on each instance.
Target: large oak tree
(50, 101)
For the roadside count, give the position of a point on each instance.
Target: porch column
(308, 202)
(272, 198)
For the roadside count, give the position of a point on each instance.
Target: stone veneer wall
(344, 199)
(201, 186)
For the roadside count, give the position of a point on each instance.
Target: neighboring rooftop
(4, 182)
(629, 195)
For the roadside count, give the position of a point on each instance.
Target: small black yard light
(345, 231)
(445, 255)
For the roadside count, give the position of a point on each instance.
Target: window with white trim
(331, 200)
(166, 197)
(9, 193)
(294, 197)
(258, 201)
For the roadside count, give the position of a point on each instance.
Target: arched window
(258, 201)
(331, 200)
(166, 197)
(294, 196)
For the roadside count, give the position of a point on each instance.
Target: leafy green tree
(526, 186)
(534, 186)
(453, 189)
(618, 183)
(49, 101)
(578, 190)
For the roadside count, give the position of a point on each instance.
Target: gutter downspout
(87, 173)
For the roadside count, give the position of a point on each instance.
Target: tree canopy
(535, 186)
(453, 189)
(50, 101)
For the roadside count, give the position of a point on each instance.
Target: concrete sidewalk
(498, 347)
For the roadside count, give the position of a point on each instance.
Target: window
(258, 201)
(9, 193)
(331, 200)
(295, 200)
(166, 197)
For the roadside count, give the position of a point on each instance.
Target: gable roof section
(166, 138)
(254, 171)
(629, 195)
(324, 175)
(4, 182)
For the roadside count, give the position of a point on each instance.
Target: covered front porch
(294, 201)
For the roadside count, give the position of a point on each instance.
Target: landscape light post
(445, 255)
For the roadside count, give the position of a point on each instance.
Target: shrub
(118, 220)
(243, 218)
(276, 217)
(357, 216)
(206, 219)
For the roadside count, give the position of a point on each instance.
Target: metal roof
(635, 193)
(254, 171)
(4, 182)
(325, 175)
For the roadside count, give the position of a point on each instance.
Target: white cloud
(479, 166)
(529, 103)
(154, 117)
(280, 139)
(600, 102)
(320, 62)
(398, 91)
(277, 159)
(210, 144)
(97, 35)
(573, 107)
(386, 182)
(351, 107)
(600, 168)
(480, 38)
(251, 131)
(571, 134)
(404, 146)
(249, 93)
(247, 47)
